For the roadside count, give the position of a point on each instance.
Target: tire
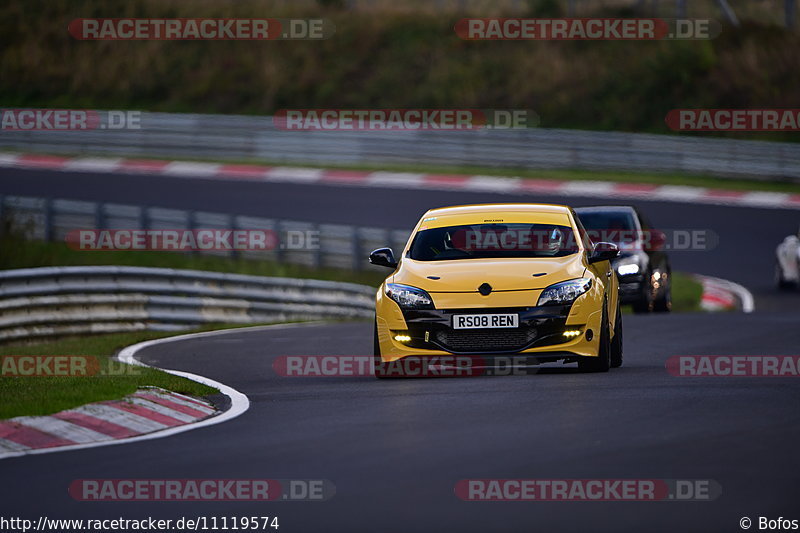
(602, 362)
(616, 342)
(663, 303)
(645, 303)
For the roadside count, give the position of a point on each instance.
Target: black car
(643, 269)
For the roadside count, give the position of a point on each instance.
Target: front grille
(484, 340)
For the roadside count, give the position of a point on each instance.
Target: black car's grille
(485, 340)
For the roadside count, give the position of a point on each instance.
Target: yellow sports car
(522, 280)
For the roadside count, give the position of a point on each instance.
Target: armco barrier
(40, 302)
(233, 137)
(301, 243)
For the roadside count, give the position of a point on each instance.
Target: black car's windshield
(618, 227)
(493, 241)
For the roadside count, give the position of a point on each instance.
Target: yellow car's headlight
(408, 297)
(564, 292)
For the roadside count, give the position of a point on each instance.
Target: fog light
(572, 333)
(589, 334)
(402, 338)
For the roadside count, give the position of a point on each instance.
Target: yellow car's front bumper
(549, 323)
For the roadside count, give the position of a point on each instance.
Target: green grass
(114, 380)
(686, 293)
(394, 56)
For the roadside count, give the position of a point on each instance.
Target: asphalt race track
(395, 449)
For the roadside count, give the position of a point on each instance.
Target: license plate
(485, 321)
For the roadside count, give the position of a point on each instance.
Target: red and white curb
(406, 180)
(723, 295)
(66, 433)
(145, 411)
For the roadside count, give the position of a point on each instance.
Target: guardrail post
(99, 216)
(279, 250)
(356, 247)
(5, 224)
(316, 258)
(144, 217)
(233, 226)
(191, 224)
(48, 220)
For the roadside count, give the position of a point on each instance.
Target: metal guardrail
(301, 243)
(49, 301)
(232, 137)
(52, 301)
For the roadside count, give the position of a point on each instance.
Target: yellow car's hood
(466, 275)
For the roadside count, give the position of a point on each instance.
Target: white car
(787, 265)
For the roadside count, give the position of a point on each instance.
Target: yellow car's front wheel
(616, 342)
(602, 362)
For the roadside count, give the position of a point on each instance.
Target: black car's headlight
(565, 292)
(626, 266)
(408, 297)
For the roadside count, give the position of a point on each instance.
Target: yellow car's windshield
(474, 241)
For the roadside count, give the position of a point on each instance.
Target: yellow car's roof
(479, 208)
(497, 213)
